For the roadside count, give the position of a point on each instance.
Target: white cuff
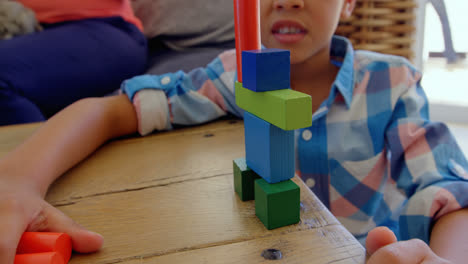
(152, 110)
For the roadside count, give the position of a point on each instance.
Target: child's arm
(449, 237)
(67, 138)
(383, 248)
(449, 243)
(201, 95)
(428, 168)
(27, 172)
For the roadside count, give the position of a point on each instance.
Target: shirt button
(166, 80)
(310, 183)
(306, 134)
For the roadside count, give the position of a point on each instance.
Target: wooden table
(169, 198)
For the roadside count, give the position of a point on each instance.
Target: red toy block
(43, 242)
(39, 258)
(247, 28)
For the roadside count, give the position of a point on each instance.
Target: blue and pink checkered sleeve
(425, 161)
(180, 98)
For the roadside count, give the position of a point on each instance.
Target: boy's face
(305, 27)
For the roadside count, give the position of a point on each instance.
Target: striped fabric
(371, 155)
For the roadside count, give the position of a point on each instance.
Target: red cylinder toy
(39, 258)
(42, 242)
(247, 28)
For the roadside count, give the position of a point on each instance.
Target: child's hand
(383, 248)
(24, 210)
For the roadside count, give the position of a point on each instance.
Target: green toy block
(244, 179)
(286, 108)
(277, 204)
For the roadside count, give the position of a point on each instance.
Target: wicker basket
(385, 26)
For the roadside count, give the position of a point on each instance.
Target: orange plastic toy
(39, 258)
(247, 29)
(43, 247)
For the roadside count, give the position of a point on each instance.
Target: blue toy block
(266, 70)
(269, 149)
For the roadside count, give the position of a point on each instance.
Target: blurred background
(446, 82)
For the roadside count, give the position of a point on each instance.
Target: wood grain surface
(169, 198)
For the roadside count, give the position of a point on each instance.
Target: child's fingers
(54, 220)
(11, 229)
(378, 238)
(405, 252)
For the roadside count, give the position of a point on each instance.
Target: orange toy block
(39, 258)
(247, 29)
(44, 242)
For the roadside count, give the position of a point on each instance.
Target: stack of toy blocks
(272, 112)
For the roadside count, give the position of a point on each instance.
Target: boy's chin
(297, 58)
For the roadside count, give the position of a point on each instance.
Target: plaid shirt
(371, 155)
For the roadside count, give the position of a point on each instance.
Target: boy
(395, 168)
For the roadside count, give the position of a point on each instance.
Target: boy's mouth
(288, 32)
